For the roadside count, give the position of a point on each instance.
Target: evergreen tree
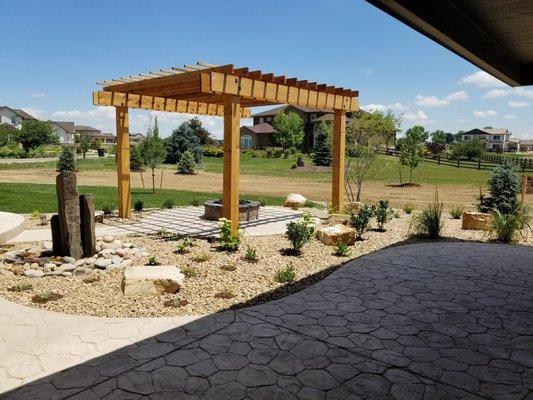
(322, 150)
(203, 134)
(67, 160)
(181, 140)
(136, 158)
(187, 164)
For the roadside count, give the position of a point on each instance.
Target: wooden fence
(486, 162)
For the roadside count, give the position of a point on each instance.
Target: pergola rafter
(223, 90)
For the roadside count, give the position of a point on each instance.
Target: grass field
(385, 169)
(26, 198)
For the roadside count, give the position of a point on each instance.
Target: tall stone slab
(69, 214)
(88, 238)
(57, 248)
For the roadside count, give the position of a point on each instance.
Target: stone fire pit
(248, 210)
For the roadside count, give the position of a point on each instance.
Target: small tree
(67, 160)
(359, 160)
(470, 149)
(411, 149)
(84, 144)
(96, 144)
(383, 213)
(290, 129)
(153, 151)
(136, 158)
(438, 141)
(8, 133)
(34, 133)
(360, 220)
(187, 164)
(503, 184)
(322, 149)
(181, 140)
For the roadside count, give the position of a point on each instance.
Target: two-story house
(65, 131)
(13, 116)
(94, 133)
(261, 134)
(495, 139)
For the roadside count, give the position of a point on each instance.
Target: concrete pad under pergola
(228, 92)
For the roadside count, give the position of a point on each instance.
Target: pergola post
(339, 145)
(123, 162)
(230, 205)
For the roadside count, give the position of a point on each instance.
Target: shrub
(300, 232)
(20, 287)
(213, 151)
(341, 249)
(408, 208)
(184, 246)
(286, 153)
(429, 221)
(201, 257)
(293, 150)
(269, 152)
(138, 205)
(251, 254)
(228, 241)
(187, 163)
(503, 183)
(162, 231)
(152, 260)
(285, 275)
(507, 226)
(456, 212)
(314, 204)
(396, 214)
(36, 214)
(108, 209)
(383, 213)
(225, 294)
(189, 272)
(168, 203)
(360, 220)
(67, 160)
(195, 202)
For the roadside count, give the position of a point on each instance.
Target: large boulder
(151, 280)
(476, 220)
(295, 200)
(330, 235)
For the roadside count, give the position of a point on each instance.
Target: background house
(495, 139)
(64, 130)
(13, 116)
(136, 138)
(261, 133)
(94, 133)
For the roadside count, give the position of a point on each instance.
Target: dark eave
(495, 35)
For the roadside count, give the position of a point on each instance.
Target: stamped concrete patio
(424, 321)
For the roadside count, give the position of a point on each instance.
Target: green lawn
(385, 169)
(25, 198)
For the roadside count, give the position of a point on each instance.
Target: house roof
(263, 128)
(86, 128)
(275, 110)
(528, 142)
(137, 135)
(491, 131)
(65, 125)
(19, 112)
(99, 135)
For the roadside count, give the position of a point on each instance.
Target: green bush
(187, 164)
(269, 152)
(507, 226)
(408, 208)
(278, 153)
(67, 160)
(429, 221)
(300, 232)
(286, 153)
(138, 205)
(293, 150)
(108, 209)
(285, 275)
(383, 213)
(12, 151)
(201, 257)
(152, 260)
(456, 212)
(504, 183)
(195, 202)
(168, 203)
(213, 151)
(360, 220)
(228, 241)
(184, 246)
(341, 249)
(251, 254)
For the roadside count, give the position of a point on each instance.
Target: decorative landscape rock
(69, 214)
(294, 200)
(476, 220)
(88, 238)
(329, 235)
(150, 280)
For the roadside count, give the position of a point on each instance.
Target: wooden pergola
(225, 91)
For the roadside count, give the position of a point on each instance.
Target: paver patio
(424, 321)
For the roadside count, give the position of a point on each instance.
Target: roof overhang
(495, 35)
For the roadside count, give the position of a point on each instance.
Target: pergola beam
(118, 99)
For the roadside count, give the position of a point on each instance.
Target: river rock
(294, 200)
(108, 239)
(66, 268)
(34, 273)
(82, 271)
(102, 263)
(69, 260)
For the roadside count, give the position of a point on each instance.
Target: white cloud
(517, 104)
(527, 93)
(481, 79)
(418, 117)
(509, 116)
(37, 95)
(495, 93)
(34, 112)
(485, 114)
(461, 120)
(374, 107)
(369, 71)
(399, 107)
(434, 101)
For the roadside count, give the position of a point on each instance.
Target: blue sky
(54, 52)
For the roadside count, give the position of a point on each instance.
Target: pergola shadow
(441, 320)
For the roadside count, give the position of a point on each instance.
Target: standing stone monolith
(88, 238)
(56, 235)
(69, 214)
